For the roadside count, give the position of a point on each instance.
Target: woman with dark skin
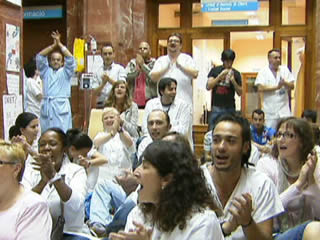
(59, 181)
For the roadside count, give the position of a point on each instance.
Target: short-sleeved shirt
(275, 104)
(267, 135)
(115, 71)
(184, 86)
(223, 93)
(266, 202)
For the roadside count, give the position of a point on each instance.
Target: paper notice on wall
(16, 2)
(94, 62)
(12, 107)
(12, 48)
(13, 83)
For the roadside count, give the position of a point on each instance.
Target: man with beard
(176, 65)
(141, 86)
(56, 109)
(180, 112)
(275, 82)
(248, 198)
(107, 75)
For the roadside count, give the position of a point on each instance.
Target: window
(293, 12)
(169, 16)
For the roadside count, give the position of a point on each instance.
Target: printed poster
(12, 107)
(12, 48)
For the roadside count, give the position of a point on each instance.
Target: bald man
(141, 86)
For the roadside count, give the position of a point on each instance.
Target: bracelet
(248, 224)
(56, 177)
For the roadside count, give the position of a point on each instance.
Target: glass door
(206, 54)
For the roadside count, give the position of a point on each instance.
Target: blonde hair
(107, 110)
(14, 152)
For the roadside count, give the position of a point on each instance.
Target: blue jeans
(106, 196)
(216, 112)
(68, 236)
(295, 233)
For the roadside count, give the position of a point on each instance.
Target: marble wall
(121, 22)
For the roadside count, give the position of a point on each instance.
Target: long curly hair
(187, 191)
(111, 100)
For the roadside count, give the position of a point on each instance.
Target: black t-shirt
(223, 93)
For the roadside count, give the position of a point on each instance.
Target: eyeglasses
(286, 135)
(174, 40)
(8, 163)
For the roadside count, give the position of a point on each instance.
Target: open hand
(241, 209)
(140, 233)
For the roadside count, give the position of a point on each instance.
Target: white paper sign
(12, 48)
(94, 62)
(16, 2)
(13, 83)
(12, 107)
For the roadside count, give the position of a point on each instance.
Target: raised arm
(56, 36)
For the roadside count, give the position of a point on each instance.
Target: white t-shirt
(33, 89)
(202, 225)
(180, 114)
(76, 179)
(266, 201)
(27, 219)
(184, 87)
(118, 155)
(115, 72)
(275, 104)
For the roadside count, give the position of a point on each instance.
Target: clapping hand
(306, 176)
(56, 37)
(45, 165)
(241, 210)
(140, 233)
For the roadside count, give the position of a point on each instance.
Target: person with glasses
(107, 75)
(23, 213)
(291, 167)
(177, 65)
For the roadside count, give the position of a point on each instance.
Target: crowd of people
(256, 181)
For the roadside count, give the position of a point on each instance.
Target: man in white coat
(275, 82)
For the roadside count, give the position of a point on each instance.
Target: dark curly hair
(304, 131)
(111, 100)
(185, 193)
